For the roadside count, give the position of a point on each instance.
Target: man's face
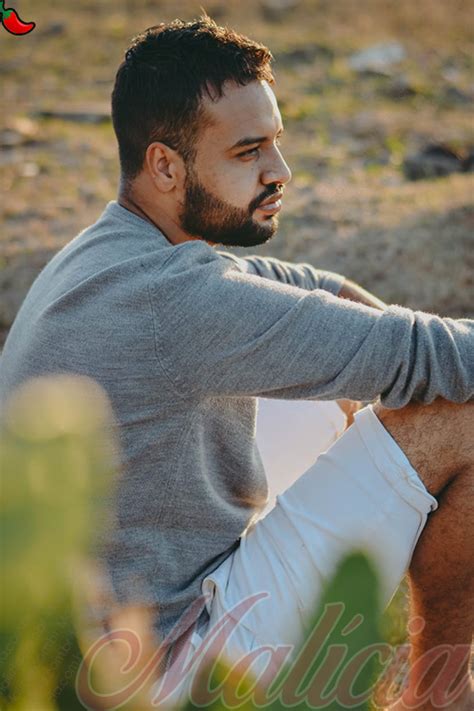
(237, 167)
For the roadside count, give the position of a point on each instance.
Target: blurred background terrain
(377, 100)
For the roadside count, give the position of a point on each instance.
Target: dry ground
(348, 209)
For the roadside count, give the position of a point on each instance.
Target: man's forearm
(352, 291)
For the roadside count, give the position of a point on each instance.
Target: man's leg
(362, 493)
(439, 442)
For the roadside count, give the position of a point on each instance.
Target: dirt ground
(349, 207)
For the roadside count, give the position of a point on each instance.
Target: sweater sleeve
(301, 274)
(223, 332)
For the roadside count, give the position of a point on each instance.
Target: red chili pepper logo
(12, 23)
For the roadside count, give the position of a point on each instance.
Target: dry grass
(348, 208)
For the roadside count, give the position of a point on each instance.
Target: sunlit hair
(166, 72)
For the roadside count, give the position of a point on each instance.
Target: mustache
(271, 190)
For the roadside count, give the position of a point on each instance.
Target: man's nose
(277, 171)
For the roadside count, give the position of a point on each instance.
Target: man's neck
(129, 203)
(163, 222)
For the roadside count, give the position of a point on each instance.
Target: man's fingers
(349, 407)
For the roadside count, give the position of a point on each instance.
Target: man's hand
(349, 408)
(352, 291)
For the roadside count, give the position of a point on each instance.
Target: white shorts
(362, 493)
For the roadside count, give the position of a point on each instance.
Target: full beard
(204, 215)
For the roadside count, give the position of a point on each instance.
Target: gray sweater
(183, 339)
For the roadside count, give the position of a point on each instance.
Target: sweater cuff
(332, 282)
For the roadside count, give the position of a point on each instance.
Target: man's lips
(271, 204)
(273, 198)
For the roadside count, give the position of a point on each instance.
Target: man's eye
(256, 151)
(251, 152)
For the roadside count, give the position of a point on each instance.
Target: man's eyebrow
(250, 140)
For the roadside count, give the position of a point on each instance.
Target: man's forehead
(249, 110)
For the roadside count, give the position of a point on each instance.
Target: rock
(277, 10)
(453, 95)
(306, 54)
(379, 58)
(10, 138)
(399, 88)
(13, 156)
(434, 161)
(25, 126)
(20, 131)
(91, 116)
(29, 170)
(468, 161)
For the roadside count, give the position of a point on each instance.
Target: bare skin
(438, 439)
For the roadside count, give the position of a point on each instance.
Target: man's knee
(438, 439)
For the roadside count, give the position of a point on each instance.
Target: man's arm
(300, 274)
(352, 291)
(224, 332)
(305, 276)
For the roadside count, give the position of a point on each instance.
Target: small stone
(400, 88)
(19, 131)
(434, 161)
(13, 156)
(378, 58)
(86, 115)
(25, 126)
(306, 54)
(451, 74)
(453, 95)
(10, 138)
(29, 170)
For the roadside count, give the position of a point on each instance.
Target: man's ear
(164, 166)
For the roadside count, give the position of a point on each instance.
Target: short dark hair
(159, 86)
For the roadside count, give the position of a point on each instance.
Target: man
(184, 338)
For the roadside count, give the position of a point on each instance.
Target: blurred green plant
(337, 665)
(396, 147)
(58, 457)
